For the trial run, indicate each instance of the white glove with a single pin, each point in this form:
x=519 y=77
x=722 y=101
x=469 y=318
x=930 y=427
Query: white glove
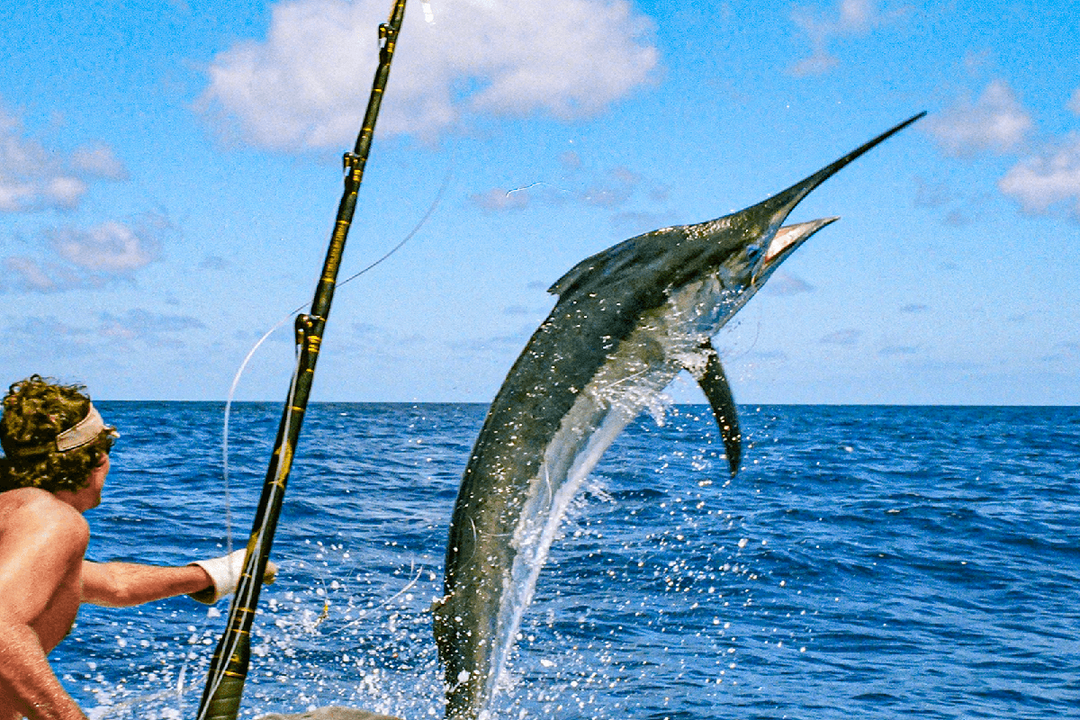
x=225 y=574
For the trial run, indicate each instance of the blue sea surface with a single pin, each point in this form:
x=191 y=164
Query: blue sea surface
x=870 y=562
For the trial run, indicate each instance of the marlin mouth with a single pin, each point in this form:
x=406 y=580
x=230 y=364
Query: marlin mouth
x=789 y=237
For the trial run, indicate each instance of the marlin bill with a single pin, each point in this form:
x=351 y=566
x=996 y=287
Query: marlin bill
x=627 y=321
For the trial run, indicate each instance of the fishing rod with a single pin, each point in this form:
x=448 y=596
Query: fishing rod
x=229 y=666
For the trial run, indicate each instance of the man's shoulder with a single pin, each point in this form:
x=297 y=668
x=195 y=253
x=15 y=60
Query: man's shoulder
x=28 y=497
x=27 y=508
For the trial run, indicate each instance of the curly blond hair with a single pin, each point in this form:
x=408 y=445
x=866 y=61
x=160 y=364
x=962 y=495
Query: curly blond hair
x=35 y=411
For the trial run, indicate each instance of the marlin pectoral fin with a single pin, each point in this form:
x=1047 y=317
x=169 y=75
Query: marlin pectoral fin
x=713 y=381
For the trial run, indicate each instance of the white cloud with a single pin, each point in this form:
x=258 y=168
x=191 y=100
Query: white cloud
x=63 y=191
x=571 y=161
x=307 y=84
x=636 y=222
x=79 y=332
x=34 y=178
x=99 y=161
x=51 y=337
x=1039 y=183
x=930 y=194
x=151 y=327
x=853 y=18
x=612 y=189
x=214 y=262
x=842 y=337
x=45 y=276
x=819 y=63
x=111 y=247
x=31 y=274
x=1047 y=175
x=498 y=200
x=1074 y=102
x=995 y=121
x=892 y=350
x=786 y=284
x=860 y=16
x=88 y=257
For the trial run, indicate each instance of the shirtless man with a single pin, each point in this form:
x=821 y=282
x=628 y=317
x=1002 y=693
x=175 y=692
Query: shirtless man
x=57 y=458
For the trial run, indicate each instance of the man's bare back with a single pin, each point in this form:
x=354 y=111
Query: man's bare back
x=68 y=533
x=42 y=543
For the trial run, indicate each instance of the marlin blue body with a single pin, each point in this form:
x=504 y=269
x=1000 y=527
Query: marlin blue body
x=627 y=321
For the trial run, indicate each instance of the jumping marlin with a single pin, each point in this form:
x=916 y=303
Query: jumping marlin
x=627 y=321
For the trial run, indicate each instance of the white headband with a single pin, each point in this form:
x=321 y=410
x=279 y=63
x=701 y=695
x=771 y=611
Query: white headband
x=83 y=433
x=79 y=435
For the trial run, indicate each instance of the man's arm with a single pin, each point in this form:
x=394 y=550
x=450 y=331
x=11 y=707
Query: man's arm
x=41 y=548
x=118 y=584
x=27 y=682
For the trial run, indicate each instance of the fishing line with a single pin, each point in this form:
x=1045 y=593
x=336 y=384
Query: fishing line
x=290 y=401
x=384 y=603
x=225 y=429
x=247 y=359
x=753 y=343
x=247 y=599
x=423 y=220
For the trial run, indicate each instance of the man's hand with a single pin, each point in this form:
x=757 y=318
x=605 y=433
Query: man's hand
x=225 y=574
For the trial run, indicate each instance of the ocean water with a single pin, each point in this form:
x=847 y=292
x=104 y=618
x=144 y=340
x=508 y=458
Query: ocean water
x=875 y=562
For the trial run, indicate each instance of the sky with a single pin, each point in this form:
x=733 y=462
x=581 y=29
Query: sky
x=170 y=172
